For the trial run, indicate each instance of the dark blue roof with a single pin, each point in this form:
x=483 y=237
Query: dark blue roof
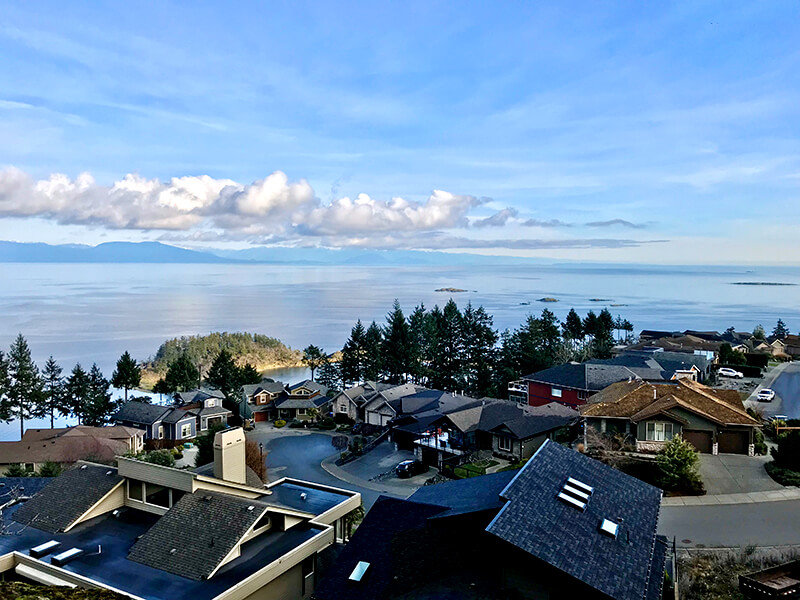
x=536 y=521
x=28 y=486
x=316 y=502
x=466 y=495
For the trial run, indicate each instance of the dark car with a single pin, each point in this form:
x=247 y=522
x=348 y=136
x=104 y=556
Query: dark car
x=409 y=468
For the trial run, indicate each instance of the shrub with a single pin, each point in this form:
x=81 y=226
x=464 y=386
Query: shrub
x=342 y=419
x=344 y=428
x=677 y=462
x=165 y=458
x=781 y=475
x=327 y=423
x=17 y=471
x=759 y=446
x=178 y=455
x=50 y=469
x=787 y=454
x=296 y=424
x=280 y=423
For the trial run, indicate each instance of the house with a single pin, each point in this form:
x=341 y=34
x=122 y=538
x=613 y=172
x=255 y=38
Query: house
x=158 y=533
x=68 y=445
x=208 y=410
x=791 y=345
x=384 y=405
x=509 y=431
x=302 y=400
x=351 y=401
x=197 y=395
x=672 y=365
x=564 y=526
x=704 y=343
x=259 y=399
x=713 y=420
x=158 y=422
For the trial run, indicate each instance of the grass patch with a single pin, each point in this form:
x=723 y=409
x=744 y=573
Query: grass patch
x=474 y=469
x=783 y=475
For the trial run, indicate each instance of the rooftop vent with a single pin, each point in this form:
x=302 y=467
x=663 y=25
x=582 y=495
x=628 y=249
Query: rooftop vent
x=609 y=528
x=83 y=466
x=66 y=556
x=173 y=550
x=359 y=571
x=251 y=507
x=575 y=493
x=303 y=496
x=109 y=472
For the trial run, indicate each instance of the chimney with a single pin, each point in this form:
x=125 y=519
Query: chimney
x=229 y=461
x=655 y=396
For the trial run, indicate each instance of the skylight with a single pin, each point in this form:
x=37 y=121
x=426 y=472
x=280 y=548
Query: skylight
x=575 y=493
x=359 y=571
x=610 y=528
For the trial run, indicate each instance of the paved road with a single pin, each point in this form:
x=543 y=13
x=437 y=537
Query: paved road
x=733 y=525
x=787 y=390
x=299 y=454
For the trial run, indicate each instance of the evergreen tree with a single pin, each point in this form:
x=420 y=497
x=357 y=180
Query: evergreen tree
x=5 y=383
x=536 y=345
x=372 y=359
x=248 y=374
x=603 y=340
x=573 y=327
x=479 y=340
x=313 y=358
x=99 y=406
x=25 y=394
x=418 y=331
x=53 y=388
x=352 y=363
x=590 y=324
x=127 y=374
x=182 y=375
x=397 y=346
x=76 y=393
x=224 y=375
x=780 y=331
x=330 y=375
x=759 y=333
x=447 y=352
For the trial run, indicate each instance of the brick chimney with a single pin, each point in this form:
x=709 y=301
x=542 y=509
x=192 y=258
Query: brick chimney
x=229 y=459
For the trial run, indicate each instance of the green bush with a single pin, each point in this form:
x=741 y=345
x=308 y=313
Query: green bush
x=759 y=446
x=787 y=454
x=296 y=424
x=50 y=469
x=17 y=471
x=782 y=475
x=678 y=461
x=280 y=423
x=165 y=458
x=327 y=423
x=178 y=455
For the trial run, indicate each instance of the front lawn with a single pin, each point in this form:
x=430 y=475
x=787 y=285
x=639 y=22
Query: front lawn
x=474 y=469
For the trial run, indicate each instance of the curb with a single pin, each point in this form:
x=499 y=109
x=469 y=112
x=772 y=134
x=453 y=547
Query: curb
x=741 y=498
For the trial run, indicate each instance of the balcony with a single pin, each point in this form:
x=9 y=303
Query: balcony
x=439 y=441
x=520 y=387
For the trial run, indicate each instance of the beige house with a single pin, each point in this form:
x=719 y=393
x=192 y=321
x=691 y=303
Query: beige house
x=70 y=444
x=148 y=531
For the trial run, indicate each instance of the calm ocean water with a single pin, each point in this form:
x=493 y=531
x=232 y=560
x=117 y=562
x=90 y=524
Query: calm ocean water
x=93 y=312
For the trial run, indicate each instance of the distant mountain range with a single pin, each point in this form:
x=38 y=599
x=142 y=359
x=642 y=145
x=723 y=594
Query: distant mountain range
x=156 y=252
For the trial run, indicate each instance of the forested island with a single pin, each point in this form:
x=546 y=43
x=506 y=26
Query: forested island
x=260 y=351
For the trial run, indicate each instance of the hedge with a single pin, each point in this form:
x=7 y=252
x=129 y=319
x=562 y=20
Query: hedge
x=755 y=359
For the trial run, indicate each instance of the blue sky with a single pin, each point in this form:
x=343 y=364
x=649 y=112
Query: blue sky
x=646 y=132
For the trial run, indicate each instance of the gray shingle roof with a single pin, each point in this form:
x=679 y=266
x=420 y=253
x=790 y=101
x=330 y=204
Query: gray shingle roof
x=140 y=412
x=67 y=497
x=536 y=521
x=177 y=414
x=273 y=387
x=592 y=376
x=198 y=551
x=466 y=495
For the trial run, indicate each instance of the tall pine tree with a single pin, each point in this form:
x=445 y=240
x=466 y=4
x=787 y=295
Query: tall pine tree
x=397 y=346
x=127 y=374
x=352 y=363
x=447 y=357
x=373 y=361
x=479 y=339
x=25 y=394
x=53 y=388
x=99 y=406
x=77 y=393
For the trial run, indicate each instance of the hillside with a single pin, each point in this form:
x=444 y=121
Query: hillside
x=261 y=351
x=109 y=252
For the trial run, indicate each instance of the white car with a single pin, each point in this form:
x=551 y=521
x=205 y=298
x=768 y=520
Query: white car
x=765 y=395
x=726 y=372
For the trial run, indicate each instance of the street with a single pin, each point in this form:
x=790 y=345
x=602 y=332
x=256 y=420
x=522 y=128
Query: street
x=732 y=525
x=787 y=392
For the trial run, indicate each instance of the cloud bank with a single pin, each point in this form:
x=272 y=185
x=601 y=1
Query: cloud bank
x=267 y=211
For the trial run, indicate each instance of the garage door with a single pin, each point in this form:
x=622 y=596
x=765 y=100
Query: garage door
x=260 y=416
x=732 y=442
x=699 y=439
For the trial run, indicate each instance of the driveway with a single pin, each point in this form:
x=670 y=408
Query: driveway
x=378 y=466
x=734 y=473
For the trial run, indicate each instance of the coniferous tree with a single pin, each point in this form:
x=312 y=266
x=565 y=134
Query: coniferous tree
x=225 y=376
x=780 y=331
x=573 y=327
x=397 y=346
x=419 y=338
x=248 y=374
x=603 y=340
x=330 y=376
x=373 y=361
x=759 y=333
x=5 y=407
x=127 y=375
x=99 y=405
x=25 y=394
x=76 y=393
x=182 y=375
x=53 y=388
x=313 y=358
x=447 y=352
x=352 y=363
x=479 y=340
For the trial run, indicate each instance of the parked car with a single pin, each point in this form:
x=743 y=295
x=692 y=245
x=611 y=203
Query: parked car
x=409 y=468
x=727 y=372
x=765 y=395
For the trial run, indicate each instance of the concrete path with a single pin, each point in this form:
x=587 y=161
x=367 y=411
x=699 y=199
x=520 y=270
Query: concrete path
x=736 y=474
x=789 y=493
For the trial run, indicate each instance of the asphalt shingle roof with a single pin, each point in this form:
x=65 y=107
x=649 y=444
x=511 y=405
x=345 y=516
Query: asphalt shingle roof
x=177 y=545
x=140 y=412
x=591 y=376
x=67 y=497
x=466 y=495
x=536 y=521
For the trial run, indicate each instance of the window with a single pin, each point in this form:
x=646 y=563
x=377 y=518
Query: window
x=157 y=495
x=555 y=392
x=135 y=490
x=161 y=432
x=301 y=411
x=343 y=408
x=504 y=443
x=659 y=432
x=186 y=430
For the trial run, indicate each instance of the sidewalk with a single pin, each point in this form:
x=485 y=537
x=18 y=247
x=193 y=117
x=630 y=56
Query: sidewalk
x=789 y=493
